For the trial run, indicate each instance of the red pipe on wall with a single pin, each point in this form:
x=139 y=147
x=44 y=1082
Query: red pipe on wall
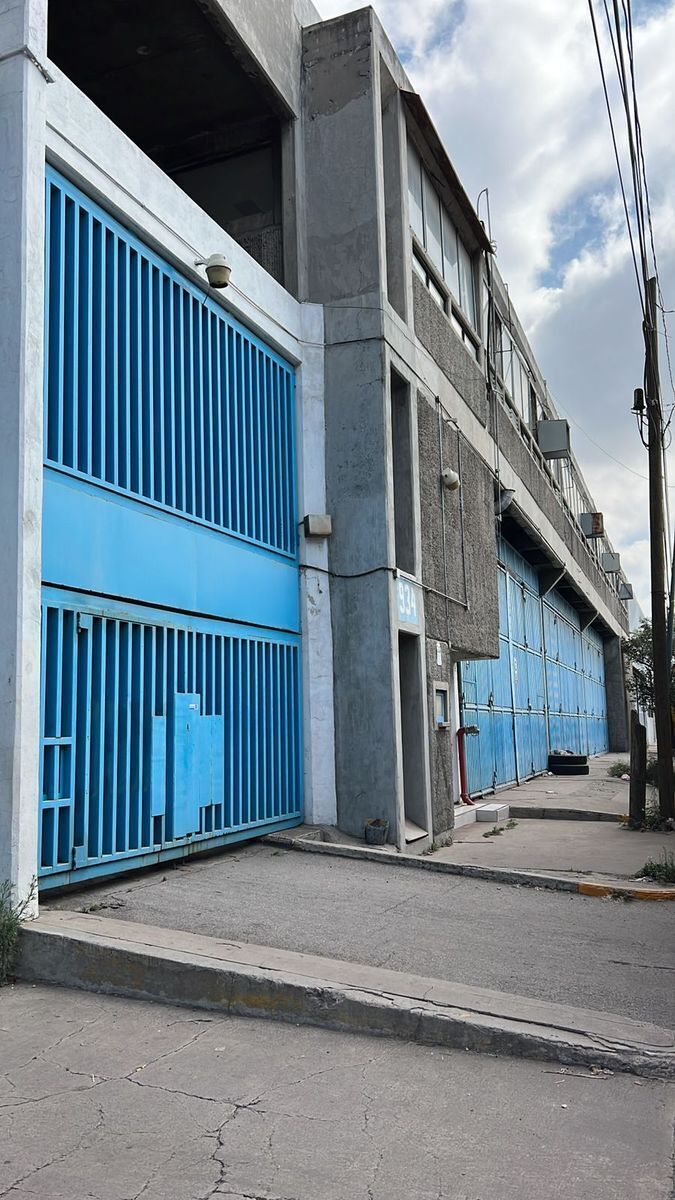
x=461 y=750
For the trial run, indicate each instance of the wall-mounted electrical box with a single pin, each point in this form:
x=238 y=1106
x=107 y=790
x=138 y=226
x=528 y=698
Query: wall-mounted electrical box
x=592 y=524
x=610 y=562
x=553 y=439
x=317 y=525
x=442 y=705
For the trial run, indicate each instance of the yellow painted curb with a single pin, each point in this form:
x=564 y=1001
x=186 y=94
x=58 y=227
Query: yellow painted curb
x=604 y=889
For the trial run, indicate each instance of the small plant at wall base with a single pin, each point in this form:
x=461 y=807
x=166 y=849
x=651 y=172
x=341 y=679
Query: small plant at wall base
x=11 y=916
x=662 y=871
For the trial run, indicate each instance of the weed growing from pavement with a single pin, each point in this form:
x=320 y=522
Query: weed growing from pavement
x=622 y=767
x=662 y=871
x=11 y=916
x=617 y=769
x=494 y=832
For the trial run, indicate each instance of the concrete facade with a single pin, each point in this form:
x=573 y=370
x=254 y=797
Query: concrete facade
x=393 y=387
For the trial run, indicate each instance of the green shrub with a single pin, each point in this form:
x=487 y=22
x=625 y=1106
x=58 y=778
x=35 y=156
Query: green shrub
x=662 y=871
x=622 y=767
x=618 y=769
x=11 y=916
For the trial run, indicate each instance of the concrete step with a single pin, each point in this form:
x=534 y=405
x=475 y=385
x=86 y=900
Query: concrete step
x=493 y=812
x=465 y=814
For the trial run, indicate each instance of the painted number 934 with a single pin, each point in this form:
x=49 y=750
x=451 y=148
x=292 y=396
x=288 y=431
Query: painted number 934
x=407 y=603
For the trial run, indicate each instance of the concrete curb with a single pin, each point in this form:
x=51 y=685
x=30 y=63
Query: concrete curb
x=118 y=957
x=523 y=812
x=518 y=878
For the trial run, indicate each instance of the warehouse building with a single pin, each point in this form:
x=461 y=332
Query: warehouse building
x=270 y=546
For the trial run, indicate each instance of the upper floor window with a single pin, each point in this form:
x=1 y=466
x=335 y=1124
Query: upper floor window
x=436 y=233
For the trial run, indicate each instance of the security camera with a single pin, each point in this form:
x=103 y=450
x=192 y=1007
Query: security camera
x=217 y=270
x=450 y=479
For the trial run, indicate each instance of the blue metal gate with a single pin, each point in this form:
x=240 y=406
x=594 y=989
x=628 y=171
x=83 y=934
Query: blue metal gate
x=170 y=641
x=506 y=697
x=546 y=689
x=575 y=679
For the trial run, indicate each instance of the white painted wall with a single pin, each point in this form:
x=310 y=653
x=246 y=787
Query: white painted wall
x=317 y=634
x=23 y=26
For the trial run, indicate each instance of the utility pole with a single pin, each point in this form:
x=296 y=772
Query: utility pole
x=662 y=664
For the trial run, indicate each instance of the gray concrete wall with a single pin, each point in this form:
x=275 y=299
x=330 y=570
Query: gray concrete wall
x=472 y=621
x=435 y=332
x=365 y=665
x=271 y=30
x=22 y=142
x=344 y=248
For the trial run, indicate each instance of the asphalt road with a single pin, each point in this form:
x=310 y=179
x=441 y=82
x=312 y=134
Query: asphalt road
x=604 y=954
x=110 y=1099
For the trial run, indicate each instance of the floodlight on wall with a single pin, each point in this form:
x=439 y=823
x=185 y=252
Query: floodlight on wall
x=592 y=524
x=553 y=439
x=504 y=500
x=450 y=479
x=218 y=271
x=610 y=562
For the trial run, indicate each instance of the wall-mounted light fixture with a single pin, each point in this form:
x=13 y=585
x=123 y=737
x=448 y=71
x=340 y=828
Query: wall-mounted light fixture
x=450 y=479
x=504 y=500
x=217 y=270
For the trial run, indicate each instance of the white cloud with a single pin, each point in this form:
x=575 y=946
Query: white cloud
x=515 y=91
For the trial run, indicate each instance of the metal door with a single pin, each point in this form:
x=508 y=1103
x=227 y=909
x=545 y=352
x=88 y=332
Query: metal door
x=575 y=676
x=170 y=638
x=505 y=697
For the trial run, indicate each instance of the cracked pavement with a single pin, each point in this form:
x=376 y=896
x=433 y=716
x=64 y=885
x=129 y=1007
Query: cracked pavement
x=604 y=954
x=109 y=1099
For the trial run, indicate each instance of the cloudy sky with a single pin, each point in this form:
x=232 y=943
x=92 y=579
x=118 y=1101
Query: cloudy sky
x=514 y=88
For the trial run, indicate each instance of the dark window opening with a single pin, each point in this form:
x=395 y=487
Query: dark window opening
x=182 y=90
x=401 y=447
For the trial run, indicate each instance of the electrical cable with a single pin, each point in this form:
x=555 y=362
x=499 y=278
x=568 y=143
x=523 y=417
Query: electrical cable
x=661 y=304
x=596 y=37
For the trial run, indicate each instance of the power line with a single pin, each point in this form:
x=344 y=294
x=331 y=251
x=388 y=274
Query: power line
x=638 y=277
x=661 y=304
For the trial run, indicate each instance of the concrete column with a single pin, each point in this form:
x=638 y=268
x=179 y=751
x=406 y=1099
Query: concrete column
x=615 y=687
x=317 y=633
x=23 y=33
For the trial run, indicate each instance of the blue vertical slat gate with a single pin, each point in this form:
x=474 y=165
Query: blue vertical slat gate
x=545 y=691
x=170 y=632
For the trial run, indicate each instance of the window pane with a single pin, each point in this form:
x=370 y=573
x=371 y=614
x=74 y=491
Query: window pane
x=432 y=223
x=450 y=264
x=485 y=309
x=419 y=268
x=467 y=298
x=436 y=293
x=497 y=344
x=415 y=192
x=507 y=361
x=517 y=384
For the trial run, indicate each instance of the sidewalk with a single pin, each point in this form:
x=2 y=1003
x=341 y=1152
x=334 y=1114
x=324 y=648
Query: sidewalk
x=109 y=1099
x=597 y=792
x=545 y=944
x=585 y=848
x=593 y=845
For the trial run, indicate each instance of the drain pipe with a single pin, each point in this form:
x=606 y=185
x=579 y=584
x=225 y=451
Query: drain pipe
x=462 y=732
